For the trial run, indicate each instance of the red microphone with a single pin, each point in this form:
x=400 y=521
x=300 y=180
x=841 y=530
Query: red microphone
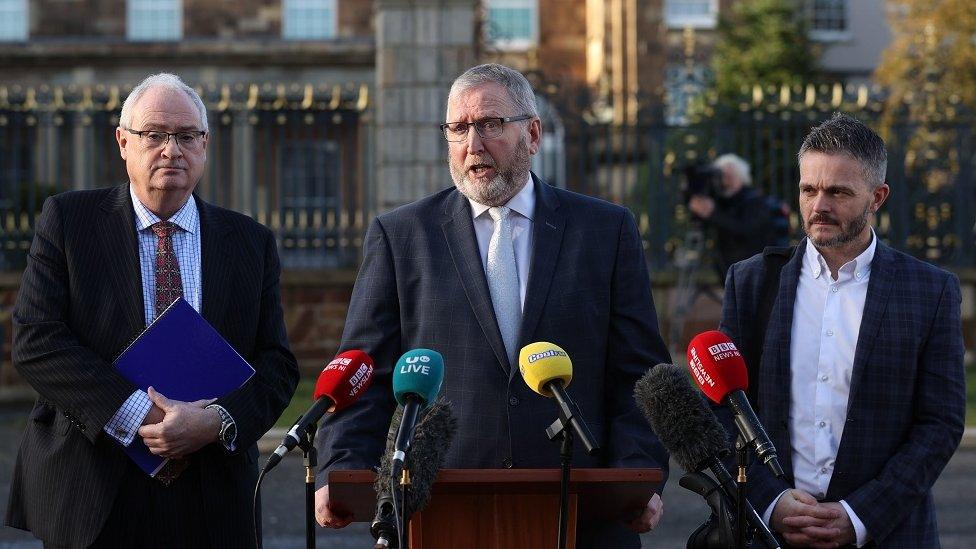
x=720 y=372
x=341 y=383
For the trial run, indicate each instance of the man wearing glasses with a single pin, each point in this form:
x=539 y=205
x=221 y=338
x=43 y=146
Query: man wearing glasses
x=103 y=264
x=479 y=270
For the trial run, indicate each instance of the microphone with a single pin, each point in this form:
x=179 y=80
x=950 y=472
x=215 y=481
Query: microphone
x=690 y=432
x=547 y=370
x=417 y=378
x=432 y=439
x=340 y=384
x=720 y=372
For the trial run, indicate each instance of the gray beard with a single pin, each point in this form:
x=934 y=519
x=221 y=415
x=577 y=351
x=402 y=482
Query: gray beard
x=847 y=236
x=501 y=188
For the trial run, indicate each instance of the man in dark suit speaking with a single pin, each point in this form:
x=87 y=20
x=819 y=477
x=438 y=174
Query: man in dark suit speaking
x=102 y=265
x=861 y=383
x=478 y=271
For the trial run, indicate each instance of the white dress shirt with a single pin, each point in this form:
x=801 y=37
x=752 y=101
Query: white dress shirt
x=826 y=323
x=523 y=210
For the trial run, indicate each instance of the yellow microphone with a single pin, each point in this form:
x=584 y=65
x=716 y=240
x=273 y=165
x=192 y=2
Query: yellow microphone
x=542 y=363
x=547 y=370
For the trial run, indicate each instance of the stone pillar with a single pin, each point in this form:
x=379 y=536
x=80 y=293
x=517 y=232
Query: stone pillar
x=421 y=46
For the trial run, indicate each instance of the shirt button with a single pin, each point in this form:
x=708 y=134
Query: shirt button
x=823 y=424
x=835 y=289
x=507 y=463
x=824 y=378
x=823 y=470
x=513 y=400
x=830 y=333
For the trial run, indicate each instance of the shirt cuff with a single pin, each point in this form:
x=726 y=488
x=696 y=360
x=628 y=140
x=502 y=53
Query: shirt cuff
x=125 y=424
x=860 y=531
x=768 y=515
x=225 y=416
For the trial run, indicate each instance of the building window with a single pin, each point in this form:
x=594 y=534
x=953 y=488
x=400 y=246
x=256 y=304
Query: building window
x=308 y=19
x=828 y=19
x=513 y=24
x=13 y=20
x=154 y=20
x=700 y=14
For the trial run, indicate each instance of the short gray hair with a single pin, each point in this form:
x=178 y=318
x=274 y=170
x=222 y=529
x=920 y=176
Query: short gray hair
x=844 y=134
x=736 y=163
x=162 y=80
x=512 y=80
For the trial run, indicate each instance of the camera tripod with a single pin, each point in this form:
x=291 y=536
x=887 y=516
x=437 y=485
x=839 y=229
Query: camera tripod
x=689 y=259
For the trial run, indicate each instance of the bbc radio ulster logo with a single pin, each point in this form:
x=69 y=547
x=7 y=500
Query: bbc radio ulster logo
x=723 y=351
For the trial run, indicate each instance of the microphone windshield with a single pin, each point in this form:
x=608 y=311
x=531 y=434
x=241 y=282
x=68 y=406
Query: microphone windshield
x=542 y=362
x=432 y=439
x=418 y=372
x=716 y=365
x=680 y=418
x=344 y=379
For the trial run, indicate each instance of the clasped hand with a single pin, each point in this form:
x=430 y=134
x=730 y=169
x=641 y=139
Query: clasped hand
x=175 y=429
x=805 y=522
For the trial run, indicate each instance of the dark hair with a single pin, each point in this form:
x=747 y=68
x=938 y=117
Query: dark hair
x=844 y=134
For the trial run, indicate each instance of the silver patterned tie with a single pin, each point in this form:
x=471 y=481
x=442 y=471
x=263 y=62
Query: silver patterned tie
x=503 y=280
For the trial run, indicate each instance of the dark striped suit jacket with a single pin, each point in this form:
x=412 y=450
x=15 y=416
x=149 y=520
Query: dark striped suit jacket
x=907 y=397
x=422 y=284
x=80 y=303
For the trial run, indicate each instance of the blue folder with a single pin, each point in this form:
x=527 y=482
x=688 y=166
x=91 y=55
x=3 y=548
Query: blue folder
x=183 y=357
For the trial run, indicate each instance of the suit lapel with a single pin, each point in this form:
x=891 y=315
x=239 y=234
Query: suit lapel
x=775 y=374
x=875 y=303
x=548 y=225
x=216 y=263
x=119 y=243
x=458 y=229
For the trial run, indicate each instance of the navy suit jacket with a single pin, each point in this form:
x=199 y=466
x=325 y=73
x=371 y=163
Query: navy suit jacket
x=422 y=284
x=907 y=396
x=79 y=305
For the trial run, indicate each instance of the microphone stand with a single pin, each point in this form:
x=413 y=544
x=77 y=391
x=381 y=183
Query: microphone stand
x=560 y=430
x=742 y=461
x=310 y=459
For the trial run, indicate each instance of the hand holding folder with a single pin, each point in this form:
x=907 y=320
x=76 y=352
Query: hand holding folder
x=183 y=357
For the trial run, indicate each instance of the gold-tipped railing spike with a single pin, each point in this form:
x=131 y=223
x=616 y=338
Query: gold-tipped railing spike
x=4 y=101
x=280 y=101
x=336 y=99
x=57 y=103
x=757 y=95
x=810 y=97
x=30 y=100
x=363 y=100
x=862 y=96
x=252 y=96
x=308 y=97
x=113 y=99
x=224 y=103
x=784 y=95
x=837 y=96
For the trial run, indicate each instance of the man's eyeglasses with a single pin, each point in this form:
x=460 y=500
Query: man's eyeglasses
x=188 y=140
x=487 y=128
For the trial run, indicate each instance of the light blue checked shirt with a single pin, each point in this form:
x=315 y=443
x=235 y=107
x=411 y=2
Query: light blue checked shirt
x=125 y=424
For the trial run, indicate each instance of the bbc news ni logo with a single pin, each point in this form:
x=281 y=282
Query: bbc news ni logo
x=724 y=350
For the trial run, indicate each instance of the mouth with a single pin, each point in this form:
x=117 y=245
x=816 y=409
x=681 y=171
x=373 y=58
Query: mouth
x=481 y=171
x=170 y=170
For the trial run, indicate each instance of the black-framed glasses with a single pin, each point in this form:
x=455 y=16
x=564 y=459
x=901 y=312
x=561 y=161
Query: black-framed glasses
x=487 y=128
x=188 y=140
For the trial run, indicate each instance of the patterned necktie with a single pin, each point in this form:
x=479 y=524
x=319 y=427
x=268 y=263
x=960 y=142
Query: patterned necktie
x=503 y=280
x=169 y=286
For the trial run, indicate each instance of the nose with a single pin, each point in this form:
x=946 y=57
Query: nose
x=474 y=142
x=821 y=202
x=171 y=149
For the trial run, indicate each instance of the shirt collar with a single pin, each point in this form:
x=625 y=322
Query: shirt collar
x=185 y=218
x=859 y=267
x=522 y=203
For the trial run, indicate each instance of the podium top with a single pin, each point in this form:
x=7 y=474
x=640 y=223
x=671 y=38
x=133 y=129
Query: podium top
x=605 y=494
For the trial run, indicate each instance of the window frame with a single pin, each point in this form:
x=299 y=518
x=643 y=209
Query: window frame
x=133 y=8
x=513 y=44
x=328 y=6
x=709 y=21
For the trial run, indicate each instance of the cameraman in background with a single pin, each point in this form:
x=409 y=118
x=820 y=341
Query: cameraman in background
x=745 y=221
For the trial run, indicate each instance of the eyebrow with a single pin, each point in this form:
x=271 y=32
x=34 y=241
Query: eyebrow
x=162 y=127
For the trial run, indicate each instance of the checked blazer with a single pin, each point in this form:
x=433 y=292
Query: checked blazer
x=907 y=396
x=422 y=284
x=80 y=304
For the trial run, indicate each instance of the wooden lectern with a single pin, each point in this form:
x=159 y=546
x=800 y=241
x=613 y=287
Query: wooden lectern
x=505 y=508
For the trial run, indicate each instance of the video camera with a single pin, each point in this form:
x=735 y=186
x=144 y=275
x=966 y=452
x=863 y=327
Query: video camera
x=701 y=179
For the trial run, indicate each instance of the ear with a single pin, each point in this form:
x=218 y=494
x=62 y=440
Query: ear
x=879 y=195
x=123 y=138
x=535 y=135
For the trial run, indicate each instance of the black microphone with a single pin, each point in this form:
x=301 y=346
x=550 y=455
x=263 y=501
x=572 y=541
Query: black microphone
x=431 y=441
x=691 y=432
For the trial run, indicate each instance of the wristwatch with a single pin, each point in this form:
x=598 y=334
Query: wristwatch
x=228 y=429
